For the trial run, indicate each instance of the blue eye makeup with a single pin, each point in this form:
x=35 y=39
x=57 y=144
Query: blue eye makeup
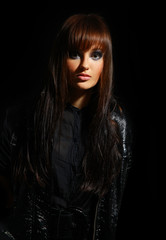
x=96 y=55
x=74 y=55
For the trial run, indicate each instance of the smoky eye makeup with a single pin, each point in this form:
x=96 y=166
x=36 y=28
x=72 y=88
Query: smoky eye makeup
x=73 y=54
x=96 y=54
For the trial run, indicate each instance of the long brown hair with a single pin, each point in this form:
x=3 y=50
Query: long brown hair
x=102 y=158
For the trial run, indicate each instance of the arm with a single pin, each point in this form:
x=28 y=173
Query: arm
x=109 y=206
x=6 y=192
x=118 y=185
x=126 y=136
x=5 y=163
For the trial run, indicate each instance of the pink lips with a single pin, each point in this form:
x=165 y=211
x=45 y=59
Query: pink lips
x=83 y=76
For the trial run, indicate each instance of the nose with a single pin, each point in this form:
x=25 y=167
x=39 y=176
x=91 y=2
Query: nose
x=85 y=62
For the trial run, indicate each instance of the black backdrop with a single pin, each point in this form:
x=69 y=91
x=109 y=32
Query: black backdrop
x=27 y=31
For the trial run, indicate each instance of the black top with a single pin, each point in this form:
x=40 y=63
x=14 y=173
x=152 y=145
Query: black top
x=106 y=216
x=67 y=155
x=68 y=152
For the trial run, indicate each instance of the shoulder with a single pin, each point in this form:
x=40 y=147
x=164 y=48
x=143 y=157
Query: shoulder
x=14 y=116
x=121 y=117
x=15 y=119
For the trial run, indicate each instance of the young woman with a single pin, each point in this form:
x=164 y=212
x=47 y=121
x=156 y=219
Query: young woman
x=67 y=160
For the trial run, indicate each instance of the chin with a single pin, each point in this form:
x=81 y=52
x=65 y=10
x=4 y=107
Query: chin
x=83 y=86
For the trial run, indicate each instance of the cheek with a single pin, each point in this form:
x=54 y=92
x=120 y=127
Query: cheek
x=99 y=69
x=72 y=66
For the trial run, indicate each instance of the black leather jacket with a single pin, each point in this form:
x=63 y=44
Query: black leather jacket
x=32 y=209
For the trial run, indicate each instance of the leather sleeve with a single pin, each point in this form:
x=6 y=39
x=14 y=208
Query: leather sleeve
x=12 y=124
x=125 y=128
x=5 y=147
x=109 y=206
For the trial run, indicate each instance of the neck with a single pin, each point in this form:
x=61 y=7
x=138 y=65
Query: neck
x=79 y=99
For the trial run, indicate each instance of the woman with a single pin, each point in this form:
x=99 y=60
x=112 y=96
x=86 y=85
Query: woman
x=69 y=157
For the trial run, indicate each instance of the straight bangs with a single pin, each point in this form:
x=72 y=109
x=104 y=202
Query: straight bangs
x=85 y=32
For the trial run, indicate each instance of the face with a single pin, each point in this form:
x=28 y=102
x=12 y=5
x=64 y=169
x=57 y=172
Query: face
x=85 y=68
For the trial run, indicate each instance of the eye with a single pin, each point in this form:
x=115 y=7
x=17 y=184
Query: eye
x=74 y=55
x=96 y=55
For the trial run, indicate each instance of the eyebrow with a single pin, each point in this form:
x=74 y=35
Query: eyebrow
x=91 y=49
x=97 y=49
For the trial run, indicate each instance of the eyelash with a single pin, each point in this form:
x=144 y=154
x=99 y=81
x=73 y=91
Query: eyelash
x=98 y=54
x=95 y=55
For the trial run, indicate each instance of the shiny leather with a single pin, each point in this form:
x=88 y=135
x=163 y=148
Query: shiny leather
x=32 y=211
x=108 y=208
x=69 y=224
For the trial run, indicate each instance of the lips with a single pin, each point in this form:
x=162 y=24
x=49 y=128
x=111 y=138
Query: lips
x=83 y=76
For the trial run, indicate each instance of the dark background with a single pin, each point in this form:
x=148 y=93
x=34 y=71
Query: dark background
x=27 y=31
